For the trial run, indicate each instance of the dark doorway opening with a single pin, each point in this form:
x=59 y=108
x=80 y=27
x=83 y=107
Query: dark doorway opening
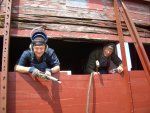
x=72 y=55
x=135 y=60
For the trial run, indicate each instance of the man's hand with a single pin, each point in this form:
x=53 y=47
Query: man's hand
x=112 y=71
x=34 y=71
x=120 y=69
x=96 y=73
x=48 y=72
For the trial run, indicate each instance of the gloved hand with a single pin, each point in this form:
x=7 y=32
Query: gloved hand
x=34 y=71
x=42 y=75
x=115 y=70
x=48 y=72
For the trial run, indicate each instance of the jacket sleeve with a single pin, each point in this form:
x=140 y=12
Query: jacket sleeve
x=116 y=60
x=25 y=58
x=90 y=67
x=52 y=58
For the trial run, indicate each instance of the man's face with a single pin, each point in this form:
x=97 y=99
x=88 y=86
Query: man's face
x=108 y=51
x=39 y=50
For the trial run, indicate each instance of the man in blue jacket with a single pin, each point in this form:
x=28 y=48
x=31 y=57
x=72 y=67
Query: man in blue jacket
x=39 y=58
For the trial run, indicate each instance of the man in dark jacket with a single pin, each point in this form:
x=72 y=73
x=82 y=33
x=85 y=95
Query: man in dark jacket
x=99 y=60
x=39 y=58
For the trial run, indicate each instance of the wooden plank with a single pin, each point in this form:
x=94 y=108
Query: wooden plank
x=56 y=8
x=57 y=17
x=74 y=36
x=141 y=92
x=109 y=94
x=67 y=100
x=95 y=4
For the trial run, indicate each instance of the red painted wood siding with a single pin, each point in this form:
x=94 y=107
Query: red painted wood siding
x=62 y=19
x=108 y=94
x=95 y=4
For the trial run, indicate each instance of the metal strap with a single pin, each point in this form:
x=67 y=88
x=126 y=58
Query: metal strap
x=4 y=74
x=136 y=39
x=121 y=40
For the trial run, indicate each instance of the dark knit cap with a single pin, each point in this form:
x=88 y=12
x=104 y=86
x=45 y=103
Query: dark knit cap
x=111 y=45
x=38 y=41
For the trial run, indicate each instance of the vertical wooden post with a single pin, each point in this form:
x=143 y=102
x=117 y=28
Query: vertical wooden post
x=4 y=74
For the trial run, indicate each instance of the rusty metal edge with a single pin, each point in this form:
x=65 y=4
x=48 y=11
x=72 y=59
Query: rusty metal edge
x=121 y=40
x=5 y=57
x=136 y=39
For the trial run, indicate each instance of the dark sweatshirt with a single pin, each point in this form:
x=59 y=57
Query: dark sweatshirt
x=97 y=54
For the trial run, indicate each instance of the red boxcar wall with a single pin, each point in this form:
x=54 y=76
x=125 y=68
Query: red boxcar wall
x=109 y=94
x=141 y=92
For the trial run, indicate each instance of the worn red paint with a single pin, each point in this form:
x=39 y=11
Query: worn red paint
x=108 y=94
x=95 y=4
x=62 y=35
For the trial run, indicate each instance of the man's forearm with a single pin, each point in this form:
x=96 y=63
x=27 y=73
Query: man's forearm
x=55 y=69
x=22 y=69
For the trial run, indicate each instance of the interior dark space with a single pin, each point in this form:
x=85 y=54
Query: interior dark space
x=72 y=55
x=135 y=60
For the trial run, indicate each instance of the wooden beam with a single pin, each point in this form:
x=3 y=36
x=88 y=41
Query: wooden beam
x=73 y=35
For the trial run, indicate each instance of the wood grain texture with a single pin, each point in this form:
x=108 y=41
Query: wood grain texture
x=108 y=94
x=57 y=16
